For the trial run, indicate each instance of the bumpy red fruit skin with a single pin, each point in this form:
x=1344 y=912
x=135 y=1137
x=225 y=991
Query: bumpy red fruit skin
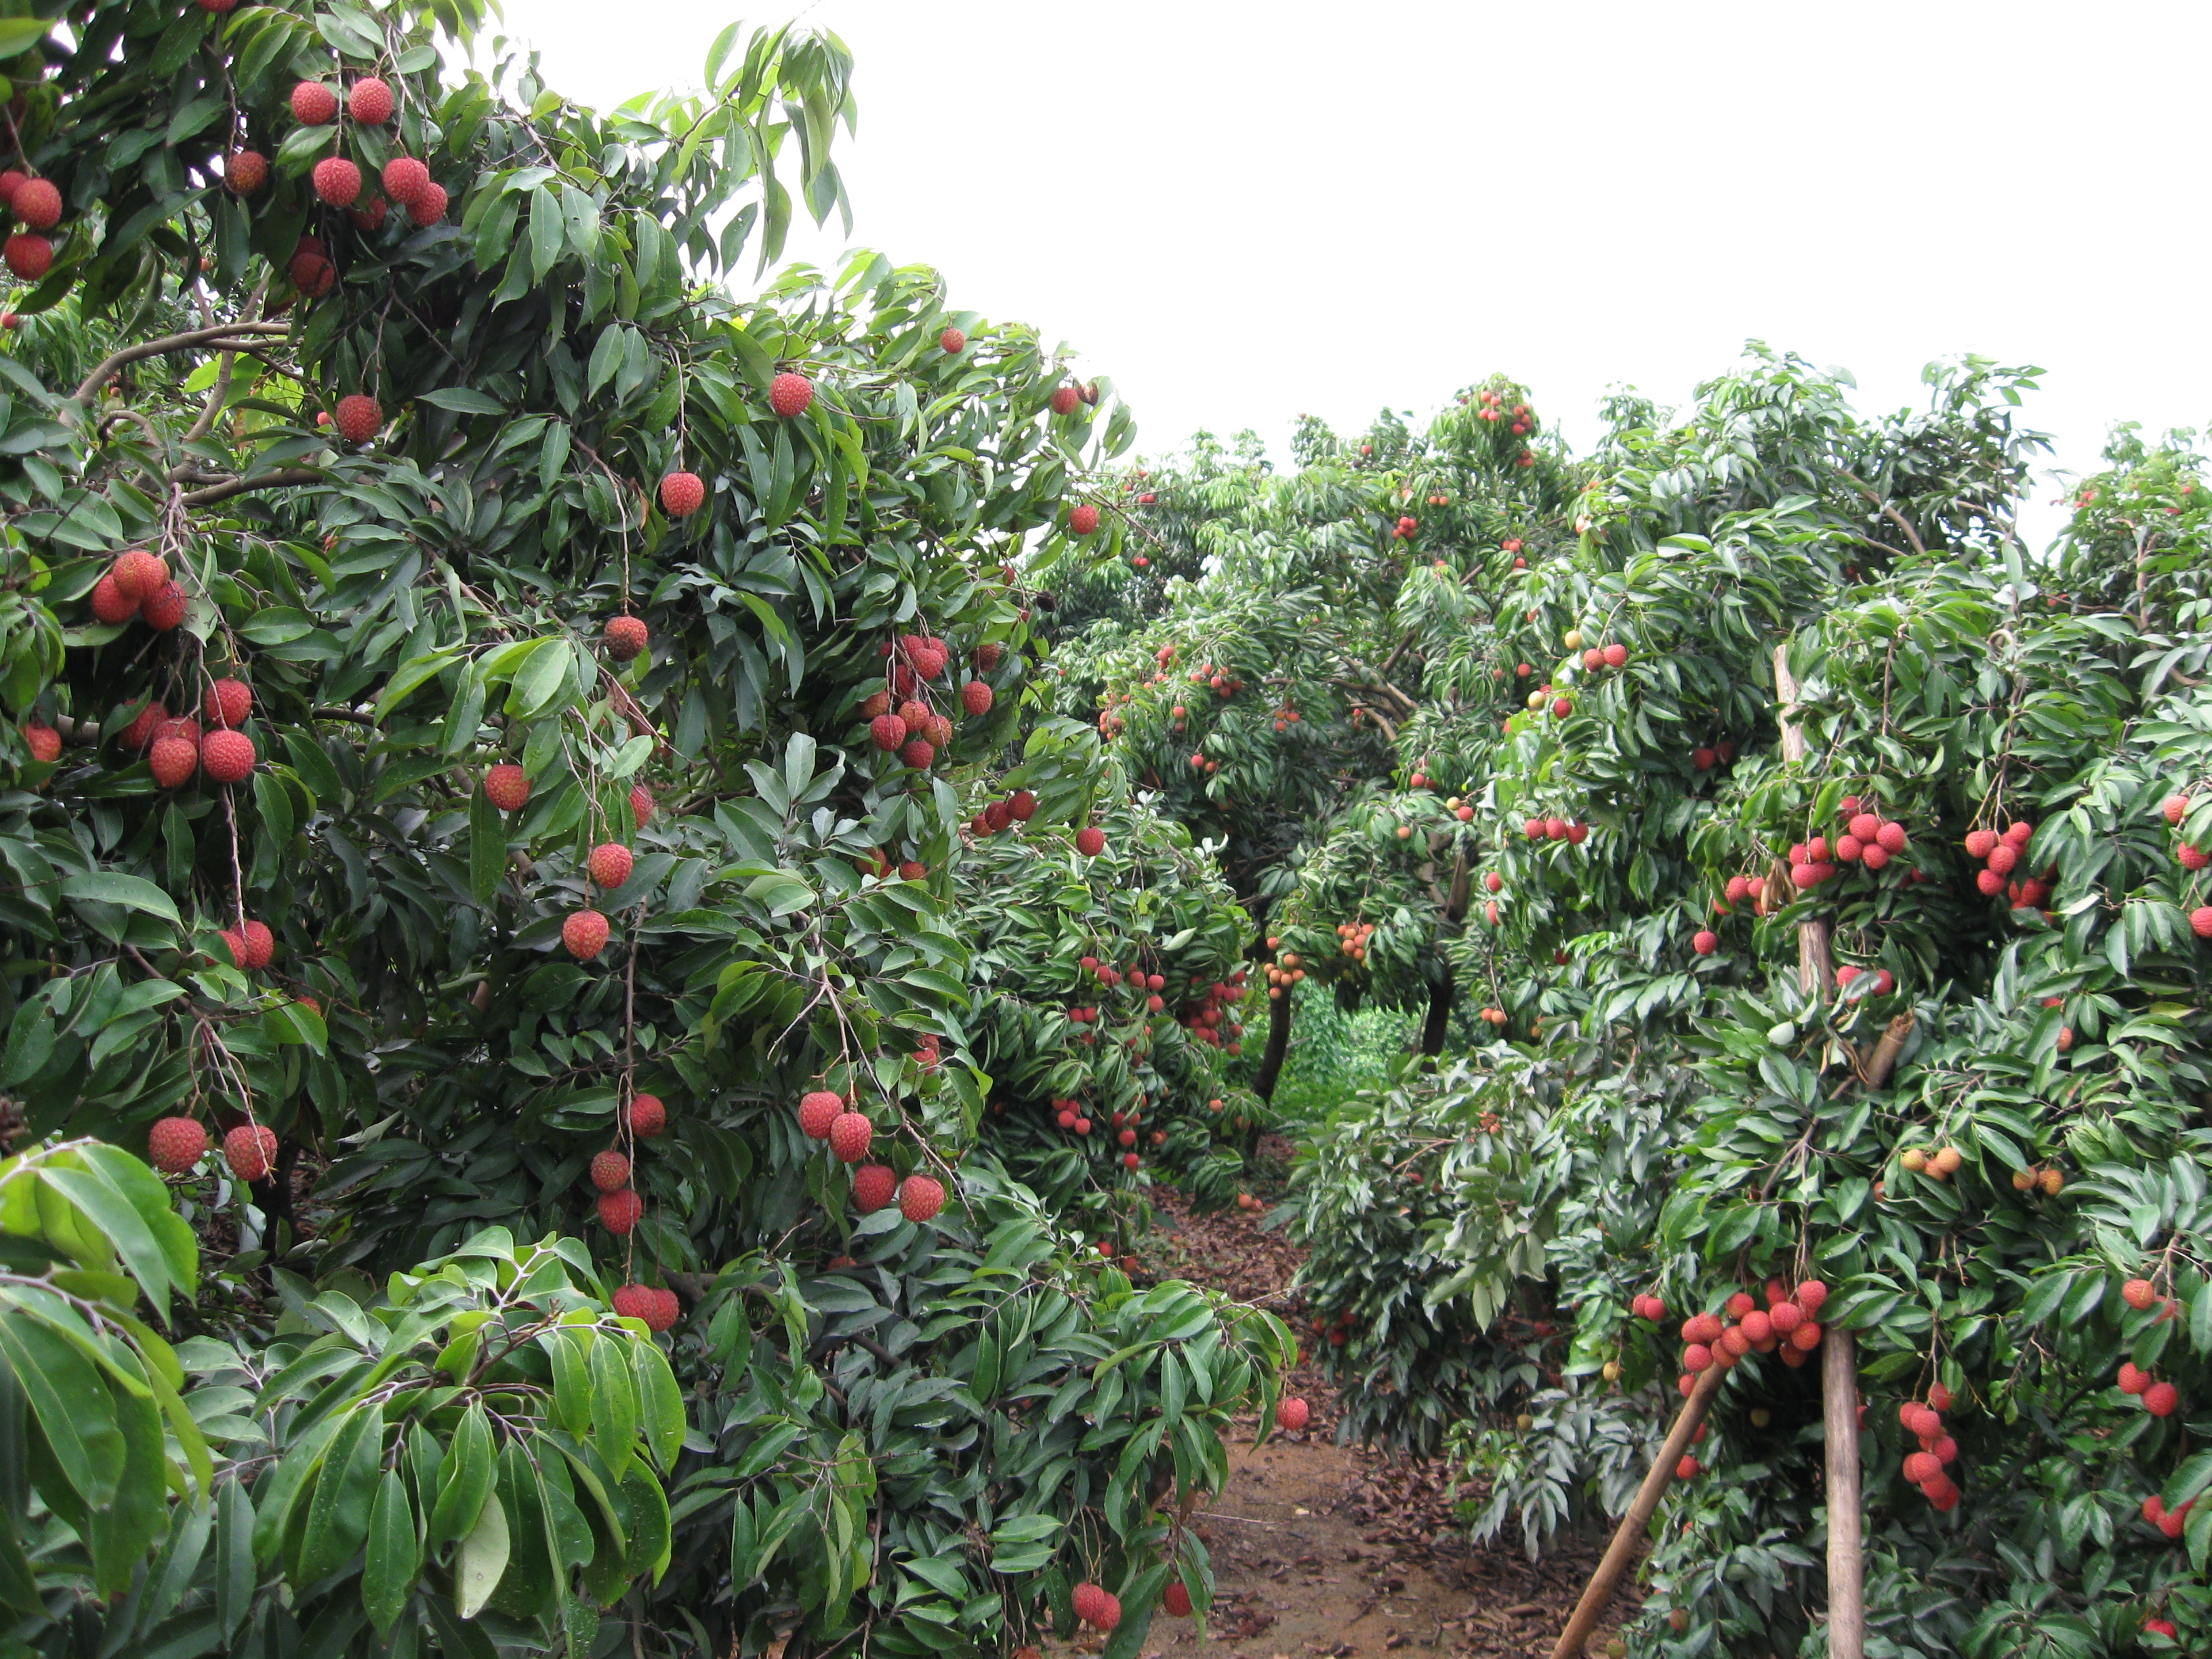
x=370 y=103
x=682 y=493
x=173 y=761
x=228 y=702
x=1082 y=519
x=337 y=181
x=952 y=341
x=310 y=270
x=1980 y=843
x=245 y=172
x=404 y=179
x=817 y=1110
x=228 y=756
x=920 y=1197
x=610 y=1172
x=110 y=604
x=2161 y=1399
x=634 y=1301
x=646 y=1118
x=38 y=203
x=251 y=1151
x=888 y=731
x=585 y=933
x=919 y=753
x=1704 y=943
x=666 y=1309
x=428 y=205
x=641 y=805
x=314 y=104
x=43 y=741
x=1293 y=1414
x=30 y=256
x=849 y=1136
x=1064 y=400
x=2138 y=1293
x=789 y=394
x=259 y=945
x=1176 y=1601
x=873 y=1186
x=610 y=863
x=506 y=786
x=977 y=698
x=175 y=1143
x=1093 y=1606
x=1091 y=841
x=626 y=637
x=163 y=609
x=619 y=1212
x=358 y=417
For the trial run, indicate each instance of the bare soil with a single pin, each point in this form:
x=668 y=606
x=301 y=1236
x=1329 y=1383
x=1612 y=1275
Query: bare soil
x=1327 y=1550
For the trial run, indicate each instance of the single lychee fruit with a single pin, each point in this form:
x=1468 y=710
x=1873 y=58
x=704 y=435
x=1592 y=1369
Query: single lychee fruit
x=257 y=946
x=428 y=205
x=641 y=805
x=682 y=493
x=370 y=101
x=634 y=1301
x=920 y=1197
x=174 y=1145
x=245 y=172
x=2161 y=1399
x=849 y=1135
x=919 y=753
x=229 y=756
x=43 y=742
x=610 y=1172
x=889 y=731
x=873 y=1187
x=1176 y=1601
x=953 y=342
x=1980 y=843
x=1093 y=1606
x=789 y=394
x=619 y=1212
x=610 y=863
x=1293 y=1414
x=1811 y=1296
x=251 y=1151
x=37 y=203
x=109 y=602
x=626 y=637
x=1704 y=943
x=163 y=609
x=1023 y=804
x=404 y=179
x=173 y=761
x=2200 y=922
x=359 y=417
x=817 y=1110
x=314 y=104
x=2138 y=1293
x=646 y=1117
x=585 y=933
x=1064 y=399
x=228 y=702
x=1082 y=519
x=506 y=786
x=977 y=698
x=1091 y=841
x=337 y=181
x=28 y=256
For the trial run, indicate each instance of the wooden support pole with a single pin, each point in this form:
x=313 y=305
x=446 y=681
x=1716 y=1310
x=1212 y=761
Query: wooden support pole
x=1598 y=1596
x=1839 y=1382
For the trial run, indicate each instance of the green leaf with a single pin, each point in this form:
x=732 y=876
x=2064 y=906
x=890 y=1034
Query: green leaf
x=131 y=892
x=394 y=1557
x=67 y=1398
x=614 y=1401
x=660 y=1403
x=464 y=1481
x=481 y=1560
x=338 y=1514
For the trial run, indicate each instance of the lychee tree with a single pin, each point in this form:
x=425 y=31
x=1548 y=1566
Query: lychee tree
x=491 y=713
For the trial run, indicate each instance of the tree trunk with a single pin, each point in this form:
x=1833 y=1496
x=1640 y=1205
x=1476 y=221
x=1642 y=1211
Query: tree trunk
x=1438 y=1024
x=1278 y=1044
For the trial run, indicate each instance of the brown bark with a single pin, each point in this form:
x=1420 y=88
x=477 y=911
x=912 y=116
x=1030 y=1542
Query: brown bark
x=1278 y=1044
x=1438 y=1024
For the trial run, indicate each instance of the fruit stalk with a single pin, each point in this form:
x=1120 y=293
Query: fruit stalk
x=1628 y=1537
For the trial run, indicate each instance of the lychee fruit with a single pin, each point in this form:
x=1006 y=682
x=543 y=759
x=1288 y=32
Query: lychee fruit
x=1091 y=841
x=174 y=1145
x=1293 y=1414
x=404 y=179
x=817 y=1110
x=173 y=761
x=28 y=256
x=109 y=602
x=889 y=731
x=683 y=494
x=619 y=1212
x=1082 y=519
x=953 y=342
x=245 y=172
x=506 y=786
x=1980 y=843
x=1706 y=943
x=585 y=933
x=849 y=1135
x=229 y=756
x=873 y=1187
x=646 y=1117
x=977 y=698
x=228 y=702
x=258 y=946
x=634 y=1301
x=641 y=805
x=370 y=101
x=919 y=753
x=337 y=181
x=2161 y=1399
x=1064 y=399
x=920 y=1197
x=625 y=637
x=1093 y=1606
x=251 y=1151
x=310 y=270
x=2138 y=1293
x=37 y=203
x=1176 y=1598
x=314 y=104
x=1023 y=804
x=428 y=205
x=789 y=394
x=163 y=609
x=359 y=417
x=610 y=1172
x=610 y=863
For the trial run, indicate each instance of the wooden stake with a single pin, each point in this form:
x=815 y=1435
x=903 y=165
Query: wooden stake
x=1598 y=1596
x=1839 y=1382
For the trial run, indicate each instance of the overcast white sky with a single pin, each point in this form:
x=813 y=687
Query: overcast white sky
x=1242 y=212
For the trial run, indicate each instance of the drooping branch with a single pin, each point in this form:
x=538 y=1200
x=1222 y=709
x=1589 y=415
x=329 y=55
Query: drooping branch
x=283 y=479
x=225 y=335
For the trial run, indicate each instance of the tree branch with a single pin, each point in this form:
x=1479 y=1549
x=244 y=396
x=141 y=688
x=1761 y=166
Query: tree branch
x=199 y=336
x=229 y=487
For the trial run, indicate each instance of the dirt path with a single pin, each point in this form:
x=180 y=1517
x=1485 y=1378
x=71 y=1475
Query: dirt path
x=1326 y=1550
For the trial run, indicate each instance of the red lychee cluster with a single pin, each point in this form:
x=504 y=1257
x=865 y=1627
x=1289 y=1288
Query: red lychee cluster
x=1573 y=832
x=2000 y=855
x=1926 y=1468
x=138 y=585
x=1404 y=528
x=655 y=1304
x=2169 y=1522
x=252 y=945
x=36 y=205
x=1000 y=816
x=612 y=1173
x=1094 y=1606
x=1206 y=1014
x=1784 y=1327
x=1519 y=420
